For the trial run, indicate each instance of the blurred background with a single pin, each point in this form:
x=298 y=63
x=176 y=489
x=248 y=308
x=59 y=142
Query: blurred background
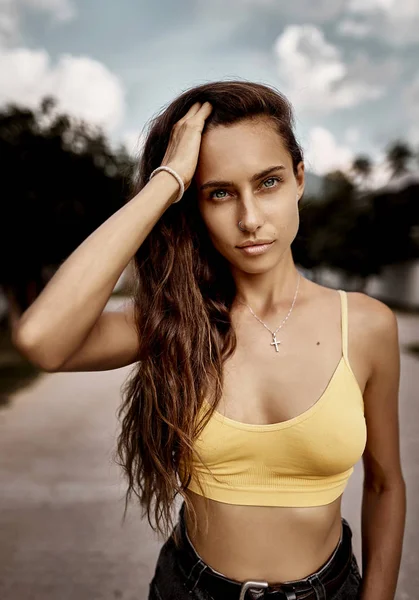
x=78 y=82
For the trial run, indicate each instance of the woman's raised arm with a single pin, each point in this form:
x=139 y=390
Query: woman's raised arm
x=61 y=318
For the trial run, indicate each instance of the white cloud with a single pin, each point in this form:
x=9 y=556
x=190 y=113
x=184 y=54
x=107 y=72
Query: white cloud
x=380 y=172
x=317 y=78
x=368 y=6
x=13 y=11
x=351 y=28
x=380 y=74
x=319 y=11
x=59 y=10
x=133 y=142
x=410 y=98
x=352 y=135
x=83 y=87
x=396 y=21
x=324 y=154
x=379 y=175
x=9 y=21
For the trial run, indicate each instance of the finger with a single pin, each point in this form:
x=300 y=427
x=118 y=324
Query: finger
x=191 y=112
x=204 y=110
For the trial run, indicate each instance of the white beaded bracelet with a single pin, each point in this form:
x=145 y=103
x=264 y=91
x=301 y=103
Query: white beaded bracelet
x=177 y=177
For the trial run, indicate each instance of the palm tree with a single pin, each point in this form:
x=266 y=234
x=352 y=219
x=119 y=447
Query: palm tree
x=398 y=155
x=337 y=183
x=60 y=181
x=362 y=167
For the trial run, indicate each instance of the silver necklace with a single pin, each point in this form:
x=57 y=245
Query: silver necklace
x=275 y=342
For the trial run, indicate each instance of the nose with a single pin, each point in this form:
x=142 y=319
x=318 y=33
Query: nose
x=251 y=216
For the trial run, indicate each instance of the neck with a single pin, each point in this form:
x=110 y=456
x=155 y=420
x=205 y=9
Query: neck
x=267 y=294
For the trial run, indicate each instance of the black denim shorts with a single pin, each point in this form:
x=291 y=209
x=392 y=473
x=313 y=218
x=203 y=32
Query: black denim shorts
x=181 y=574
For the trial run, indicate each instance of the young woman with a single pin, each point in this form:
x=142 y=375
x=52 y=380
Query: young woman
x=255 y=390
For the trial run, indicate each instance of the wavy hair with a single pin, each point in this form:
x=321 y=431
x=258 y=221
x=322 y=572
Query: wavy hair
x=183 y=292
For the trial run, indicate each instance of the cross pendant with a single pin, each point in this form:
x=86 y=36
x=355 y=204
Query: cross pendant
x=275 y=342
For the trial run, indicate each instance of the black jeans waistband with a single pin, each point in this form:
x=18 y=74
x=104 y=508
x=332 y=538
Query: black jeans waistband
x=318 y=586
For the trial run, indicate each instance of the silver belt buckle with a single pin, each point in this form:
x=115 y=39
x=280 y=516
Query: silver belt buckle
x=247 y=585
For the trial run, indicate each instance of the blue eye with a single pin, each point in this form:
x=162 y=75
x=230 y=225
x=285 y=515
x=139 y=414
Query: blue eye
x=271 y=179
x=216 y=192
x=278 y=179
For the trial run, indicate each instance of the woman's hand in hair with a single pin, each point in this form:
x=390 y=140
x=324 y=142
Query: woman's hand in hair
x=185 y=142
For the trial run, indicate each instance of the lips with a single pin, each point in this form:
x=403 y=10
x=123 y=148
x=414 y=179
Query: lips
x=257 y=243
x=255 y=249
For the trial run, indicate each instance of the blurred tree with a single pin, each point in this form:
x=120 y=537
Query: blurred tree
x=61 y=180
x=338 y=233
x=337 y=183
x=362 y=169
x=359 y=238
x=399 y=154
x=396 y=216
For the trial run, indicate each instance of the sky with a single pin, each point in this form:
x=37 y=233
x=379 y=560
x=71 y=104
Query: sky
x=349 y=67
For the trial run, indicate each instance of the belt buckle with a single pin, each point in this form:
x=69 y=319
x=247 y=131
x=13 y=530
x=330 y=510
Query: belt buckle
x=247 y=585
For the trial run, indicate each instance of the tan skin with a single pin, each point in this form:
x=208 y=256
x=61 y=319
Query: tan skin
x=279 y=543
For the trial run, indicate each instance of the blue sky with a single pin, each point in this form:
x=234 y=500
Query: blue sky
x=349 y=67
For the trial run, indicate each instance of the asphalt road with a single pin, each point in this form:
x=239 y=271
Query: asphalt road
x=62 y=496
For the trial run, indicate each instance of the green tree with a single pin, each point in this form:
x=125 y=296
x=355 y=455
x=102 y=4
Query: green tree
x=61 y=180
x=362 y=169
x=337 y=233
x=399 y=154
x=396 y=217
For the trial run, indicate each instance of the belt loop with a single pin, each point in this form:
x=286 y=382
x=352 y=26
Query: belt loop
x=289 y=592
x=318 y=587
x=195 y=579
x=248 y=585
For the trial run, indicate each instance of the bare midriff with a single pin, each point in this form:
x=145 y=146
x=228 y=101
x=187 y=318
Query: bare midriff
x=273 y=544
x=270 y=543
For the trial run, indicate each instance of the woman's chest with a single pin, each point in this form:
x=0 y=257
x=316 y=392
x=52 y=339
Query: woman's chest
x=260 y=389
x=265 y=386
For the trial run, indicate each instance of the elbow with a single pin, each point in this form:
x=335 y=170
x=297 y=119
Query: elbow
x=33 y=351
x=395 y=483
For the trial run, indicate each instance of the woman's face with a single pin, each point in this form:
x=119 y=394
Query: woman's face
x=266 y=204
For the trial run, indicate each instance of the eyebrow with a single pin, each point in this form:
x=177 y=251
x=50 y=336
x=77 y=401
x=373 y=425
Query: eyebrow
x=254 y=178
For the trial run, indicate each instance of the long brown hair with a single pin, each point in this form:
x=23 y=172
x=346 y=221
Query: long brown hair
x=183 y=293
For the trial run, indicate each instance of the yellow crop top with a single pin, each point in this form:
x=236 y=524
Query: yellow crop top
x=304 y=461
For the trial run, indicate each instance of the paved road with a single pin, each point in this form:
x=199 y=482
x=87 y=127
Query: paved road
x=61 y=495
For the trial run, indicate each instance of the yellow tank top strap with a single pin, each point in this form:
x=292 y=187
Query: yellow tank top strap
x=303 y=461
x=344 y=320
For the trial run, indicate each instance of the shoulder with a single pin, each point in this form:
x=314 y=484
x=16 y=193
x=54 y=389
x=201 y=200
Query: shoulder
x=370 y=320
x=376 y=324
x=365 y=313
x=378 y=319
